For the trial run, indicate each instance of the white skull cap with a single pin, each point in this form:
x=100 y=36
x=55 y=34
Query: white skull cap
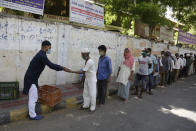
x=85 y=50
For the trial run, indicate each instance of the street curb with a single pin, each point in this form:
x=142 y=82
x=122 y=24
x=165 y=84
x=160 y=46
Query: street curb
x=69 y=103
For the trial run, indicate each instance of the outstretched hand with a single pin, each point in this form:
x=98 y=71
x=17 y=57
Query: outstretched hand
x=67 y=70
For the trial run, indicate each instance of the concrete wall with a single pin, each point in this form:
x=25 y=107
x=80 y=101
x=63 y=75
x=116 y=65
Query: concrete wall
x=20 y=40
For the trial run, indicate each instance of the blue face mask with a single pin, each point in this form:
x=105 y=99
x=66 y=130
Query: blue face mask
x=48 y=51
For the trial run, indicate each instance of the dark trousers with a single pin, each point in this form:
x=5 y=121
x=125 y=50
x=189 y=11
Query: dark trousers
x=102 y=91
x=182 y=73
x=162 y=75
x=169 y=77
x=141 y=80
x=186 y=69
x=176 y=74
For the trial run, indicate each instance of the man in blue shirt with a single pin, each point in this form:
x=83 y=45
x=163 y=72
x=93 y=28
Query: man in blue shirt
x=103 y=74
x=33 y=72
x=152 y=70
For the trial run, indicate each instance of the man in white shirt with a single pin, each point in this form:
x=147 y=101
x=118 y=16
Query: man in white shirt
x=89 y=93
x=177 y=67
x=183 y=64
x=142 y=74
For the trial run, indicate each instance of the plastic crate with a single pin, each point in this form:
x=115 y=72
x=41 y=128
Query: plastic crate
x=50 y=95
x=9 y=90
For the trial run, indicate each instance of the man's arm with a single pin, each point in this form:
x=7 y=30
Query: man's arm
x=182 y=64
x=110 y=70
x=53 y=66
x=118 y=71
x=154 y=68
x=155 y=65
x=132 y=71
x=86 y=68
x=78 y=72
x=149 y=63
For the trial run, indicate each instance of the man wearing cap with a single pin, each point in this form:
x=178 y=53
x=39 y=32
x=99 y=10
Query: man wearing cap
x=89 y=93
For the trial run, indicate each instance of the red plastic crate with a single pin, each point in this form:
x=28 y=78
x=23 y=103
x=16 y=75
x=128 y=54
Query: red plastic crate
x=50 y=95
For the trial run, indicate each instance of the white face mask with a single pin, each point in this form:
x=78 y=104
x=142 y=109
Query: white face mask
x=48 y=51
x=101 y=53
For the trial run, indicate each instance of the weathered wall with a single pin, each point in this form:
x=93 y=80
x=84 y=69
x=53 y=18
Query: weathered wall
x=20 y=40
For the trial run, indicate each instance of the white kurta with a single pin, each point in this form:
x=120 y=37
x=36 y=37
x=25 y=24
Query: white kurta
x=89 y=93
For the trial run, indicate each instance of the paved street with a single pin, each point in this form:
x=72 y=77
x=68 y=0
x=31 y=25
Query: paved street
x=169 y=109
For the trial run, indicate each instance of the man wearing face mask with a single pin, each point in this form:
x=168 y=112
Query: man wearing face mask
x=151 y=70
x=162 y=63
x=33 y=72
x=103 y=74
x=142 y=74
x=177 y=66
x=89 y=93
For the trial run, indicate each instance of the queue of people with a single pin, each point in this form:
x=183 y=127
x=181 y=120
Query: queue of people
x=152 y=71
x=175 y=66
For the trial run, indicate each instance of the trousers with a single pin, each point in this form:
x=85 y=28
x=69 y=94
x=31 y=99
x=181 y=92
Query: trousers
x=102 y=90
x=89 y=95
x=33 y=97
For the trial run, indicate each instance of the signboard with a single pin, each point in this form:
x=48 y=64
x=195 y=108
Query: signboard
x=86 y=13
x=32 y=6
x=187 y=38
x=166 y=34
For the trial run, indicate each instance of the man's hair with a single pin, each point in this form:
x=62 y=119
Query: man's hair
x=177 y=55
x=168 y=53
x=162 y=52
x=149 y=49
x=102 y=47
x=46 y=43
